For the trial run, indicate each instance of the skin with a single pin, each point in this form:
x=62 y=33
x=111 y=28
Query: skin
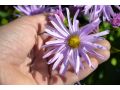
x=21 y=55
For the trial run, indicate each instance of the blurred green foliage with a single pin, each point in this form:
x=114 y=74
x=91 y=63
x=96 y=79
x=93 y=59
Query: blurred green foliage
x=7 y=14
x=108 y=72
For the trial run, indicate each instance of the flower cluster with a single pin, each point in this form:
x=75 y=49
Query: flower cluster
x=73 y=43
x=104 y=11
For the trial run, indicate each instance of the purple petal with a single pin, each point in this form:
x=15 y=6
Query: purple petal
x=77 y=62
x=64 y=65
x=106 y=14
x=98 y=9
x=55 y=42
x=101 y=33
x=74 y=20
x=87 y=8
x=51 y=45
x=57 y=62
x=110 y=10
x=28 y=8
x=63 y=33
x=86 y=57
x=63 y=68
x=94 y=45
x=72 y=59
x=60 y=13
x=85 y=30
x=50 y=52
x=20 y=8
x=96 y=12
x=91 y=38
x=76 y=25
x=117 y=6
x=94 y=53
x=54 y=34
x=69 y=20
x=34 y=7
x=61 y=24
x=55 y=57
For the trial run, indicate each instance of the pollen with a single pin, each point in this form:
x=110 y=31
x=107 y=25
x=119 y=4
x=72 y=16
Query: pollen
x=74 y=41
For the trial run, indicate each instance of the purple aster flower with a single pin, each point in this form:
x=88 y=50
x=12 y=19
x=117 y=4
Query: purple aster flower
x=73 y=44
x=31 y=9
x=37 y=9
x=95 y=11
x=58 y=10
x=115 y=21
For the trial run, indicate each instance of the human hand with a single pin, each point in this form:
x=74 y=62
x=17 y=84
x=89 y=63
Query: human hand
x=19 y=66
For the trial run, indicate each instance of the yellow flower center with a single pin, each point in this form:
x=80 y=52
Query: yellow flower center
x=74 y=41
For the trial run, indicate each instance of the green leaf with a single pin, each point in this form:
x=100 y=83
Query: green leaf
x=111 y=38
x=3 y=14
x=4 y=21
x=114 y=50
x=106 y=24
x=114 y=61
x=66 y=22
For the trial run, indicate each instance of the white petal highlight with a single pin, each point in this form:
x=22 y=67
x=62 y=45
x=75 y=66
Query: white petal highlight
x=54 y=34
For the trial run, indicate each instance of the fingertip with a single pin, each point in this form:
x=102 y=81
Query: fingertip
x=104 y=43
x=82 y=73
x=88 y=70
x=105 y=54
x=94 y=63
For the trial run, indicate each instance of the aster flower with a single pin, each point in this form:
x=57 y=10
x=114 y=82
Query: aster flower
x=38 y=9
x=58 y=10
x=95 y=11
x=115 y=21
x=31 y=9
x=72 y=44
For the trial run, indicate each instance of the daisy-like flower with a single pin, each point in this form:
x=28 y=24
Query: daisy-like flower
x=72 y=44
x=32 y=9
x=95 y=11
x=38 y=9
